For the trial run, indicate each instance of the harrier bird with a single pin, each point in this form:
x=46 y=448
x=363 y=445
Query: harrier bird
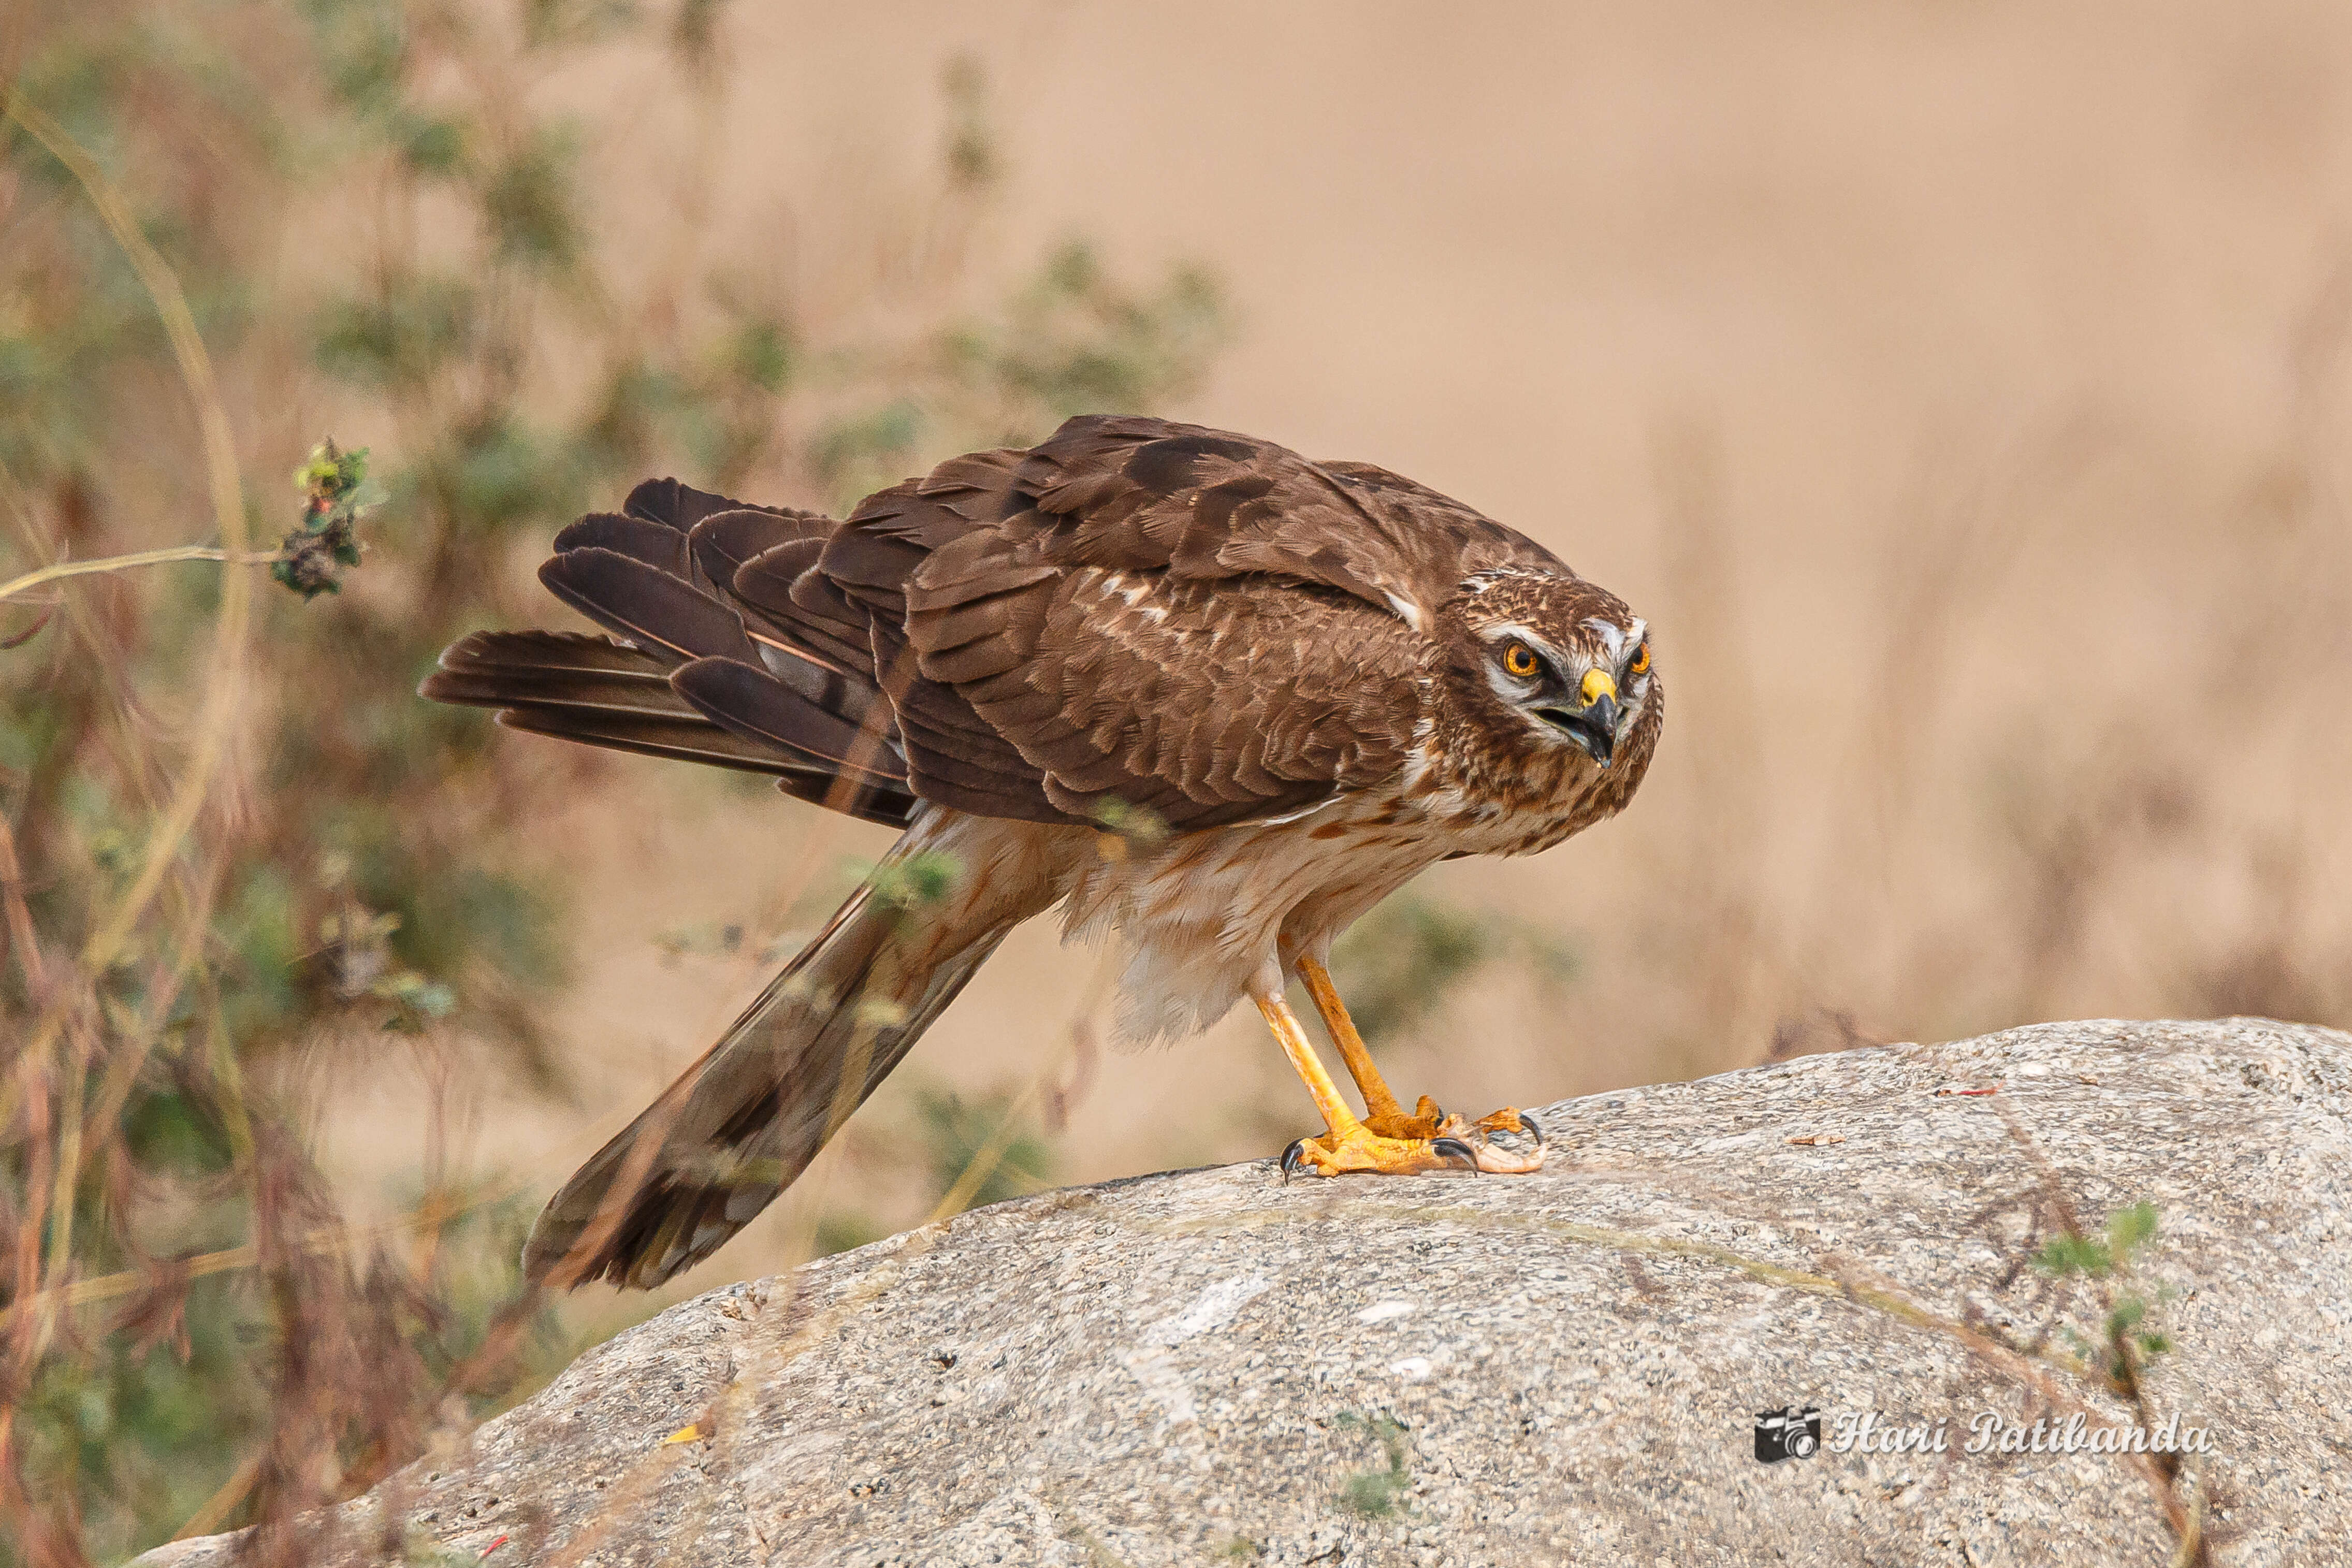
x=1191 y=687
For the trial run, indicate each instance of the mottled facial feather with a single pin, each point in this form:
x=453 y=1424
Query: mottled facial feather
x=1572 y=625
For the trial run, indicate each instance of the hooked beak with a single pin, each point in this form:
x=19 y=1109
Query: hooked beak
x=1593 y=726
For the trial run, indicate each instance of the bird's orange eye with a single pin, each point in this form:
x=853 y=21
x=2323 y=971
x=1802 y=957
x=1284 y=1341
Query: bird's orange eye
x=1519 y=659
x=1641 y=665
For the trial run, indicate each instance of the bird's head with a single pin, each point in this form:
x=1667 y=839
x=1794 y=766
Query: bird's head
x=1562 y=660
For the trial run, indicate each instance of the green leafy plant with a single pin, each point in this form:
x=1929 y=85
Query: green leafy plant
x=334 y=487
x=912 y=881
x=1402 y=960
x=2123 y=1344
x=1380 y=1491
x=1129 y=827
x=2128 y=1230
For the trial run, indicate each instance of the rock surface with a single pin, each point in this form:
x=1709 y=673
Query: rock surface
x=1208 y=1366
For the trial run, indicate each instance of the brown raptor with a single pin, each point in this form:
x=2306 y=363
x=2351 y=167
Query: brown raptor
x=1190 y=687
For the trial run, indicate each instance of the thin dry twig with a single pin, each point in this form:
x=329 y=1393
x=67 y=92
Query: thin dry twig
x=217 y=715
x=104 y=563
x=323 y=1242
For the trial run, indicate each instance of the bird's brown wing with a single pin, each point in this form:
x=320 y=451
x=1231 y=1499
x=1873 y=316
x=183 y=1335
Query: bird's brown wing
x=703 y=674
x=1141 y=615
x=1134 y=613
x=1202 y=703
x=1133 y=494
x=1450 y=540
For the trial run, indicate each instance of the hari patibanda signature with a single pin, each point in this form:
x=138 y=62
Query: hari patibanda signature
x=1867 y=1432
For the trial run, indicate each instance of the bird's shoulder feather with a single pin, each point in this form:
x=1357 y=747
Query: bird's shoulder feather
x=1173 y=619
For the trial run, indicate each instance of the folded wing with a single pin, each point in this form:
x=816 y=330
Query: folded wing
x=701 y=675
x=1133 y=615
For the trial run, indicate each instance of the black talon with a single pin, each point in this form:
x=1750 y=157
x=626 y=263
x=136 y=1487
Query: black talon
x=1292 y=1158
x=1528 y=1123
x=1454 y=1148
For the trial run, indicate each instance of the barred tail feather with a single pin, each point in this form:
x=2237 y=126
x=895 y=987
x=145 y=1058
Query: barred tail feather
x=742 y=1122
x=612 y=694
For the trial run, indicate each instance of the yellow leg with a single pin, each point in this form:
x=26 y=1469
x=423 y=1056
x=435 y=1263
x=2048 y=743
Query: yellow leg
x=1347 y=1143
x=1292 y=1038
x=1382 y=1111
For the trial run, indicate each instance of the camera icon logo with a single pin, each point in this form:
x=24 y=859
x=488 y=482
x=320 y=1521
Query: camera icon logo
x=1793 y=1432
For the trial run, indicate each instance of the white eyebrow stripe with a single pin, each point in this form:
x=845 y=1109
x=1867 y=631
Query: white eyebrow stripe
x=1533 y=638
x=1478 y=581
x=1505 y=689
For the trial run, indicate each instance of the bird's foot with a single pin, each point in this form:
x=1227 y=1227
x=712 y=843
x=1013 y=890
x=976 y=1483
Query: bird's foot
x=1422 y=1123
x=1358 y=1148
x=1495 y=1158
x=1425 y=1142
x=1428 y=1122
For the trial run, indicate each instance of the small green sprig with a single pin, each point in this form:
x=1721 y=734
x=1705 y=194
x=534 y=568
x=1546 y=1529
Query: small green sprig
x=1126 y=829
x=923 y=878
x=357 y=958
x=2128 y=1230
x=334 y=487
x=1377 y=1493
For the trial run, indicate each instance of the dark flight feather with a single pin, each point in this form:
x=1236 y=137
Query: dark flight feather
x=689 y=740
x=724 y=540
x=680 y=506
x=657 y=610
x=749 y=701
x=657 y=544
x=603 y=693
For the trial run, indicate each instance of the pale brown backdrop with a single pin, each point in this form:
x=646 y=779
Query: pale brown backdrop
x=1957 y=387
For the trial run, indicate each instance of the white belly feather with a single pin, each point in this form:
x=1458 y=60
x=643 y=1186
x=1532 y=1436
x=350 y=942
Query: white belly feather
x=1201 y=913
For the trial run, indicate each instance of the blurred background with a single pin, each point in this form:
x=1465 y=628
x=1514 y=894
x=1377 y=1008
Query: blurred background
x=1959 y=390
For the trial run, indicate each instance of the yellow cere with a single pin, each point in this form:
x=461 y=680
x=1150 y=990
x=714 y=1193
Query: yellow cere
x=1598 y=684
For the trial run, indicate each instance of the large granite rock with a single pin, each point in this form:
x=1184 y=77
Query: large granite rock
x=1210 y=1365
